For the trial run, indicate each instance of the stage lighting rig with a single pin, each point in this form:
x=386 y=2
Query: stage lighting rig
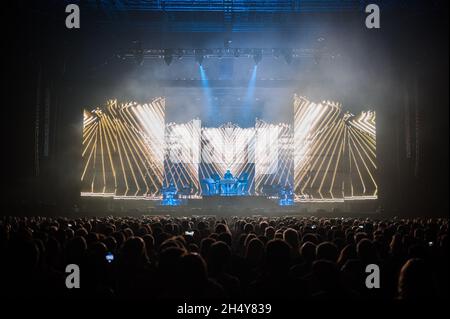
x=138 y=54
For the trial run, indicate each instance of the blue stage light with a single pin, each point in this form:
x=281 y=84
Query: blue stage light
x=286 y=202
x=251 y=86
x=249 y=97
x=206 y=93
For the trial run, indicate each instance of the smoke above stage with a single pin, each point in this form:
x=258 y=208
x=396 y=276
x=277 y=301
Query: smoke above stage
x=324 y=154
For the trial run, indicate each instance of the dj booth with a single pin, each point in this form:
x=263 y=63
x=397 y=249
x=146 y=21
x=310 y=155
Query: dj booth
x=227 y=186
x=216 y=187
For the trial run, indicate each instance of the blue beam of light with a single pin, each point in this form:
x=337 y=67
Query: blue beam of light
x=207 y=94
x=250 y=96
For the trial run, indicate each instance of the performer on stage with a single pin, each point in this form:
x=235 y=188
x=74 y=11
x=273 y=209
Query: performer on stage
x=170 y=195
x=172 y=189
x=228 y=175
x=227 y=183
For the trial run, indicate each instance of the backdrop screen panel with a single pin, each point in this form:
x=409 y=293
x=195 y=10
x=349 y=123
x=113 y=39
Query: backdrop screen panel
x=324 y=154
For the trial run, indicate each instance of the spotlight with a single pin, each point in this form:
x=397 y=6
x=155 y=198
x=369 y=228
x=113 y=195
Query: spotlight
x=179 y=54
x=320 y=49
x=138 y=53
x=276 y=53
x=317 y=57
x=199 y=57
x=287 y=53
x=227 y=43
x=168 y=57
x=257 y=56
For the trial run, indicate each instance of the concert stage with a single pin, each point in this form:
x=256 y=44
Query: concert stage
x=222 y=206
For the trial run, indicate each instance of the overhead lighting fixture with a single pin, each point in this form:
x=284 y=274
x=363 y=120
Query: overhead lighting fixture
x=227 y=43
x=276 y=53
x=199 y=56
x=257 y=56
x=317 y=57
x=179 y=54
x=138 y=53
x=168 y=57
x=319 y=50
x=287 y=53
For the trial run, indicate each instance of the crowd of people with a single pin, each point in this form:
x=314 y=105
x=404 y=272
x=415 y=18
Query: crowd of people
x=210 y=257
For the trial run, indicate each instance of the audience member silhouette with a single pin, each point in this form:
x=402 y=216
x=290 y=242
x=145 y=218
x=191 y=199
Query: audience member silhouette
x=195 y=258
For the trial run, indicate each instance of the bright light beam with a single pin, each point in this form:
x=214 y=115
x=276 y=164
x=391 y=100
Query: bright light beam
x=206 y=93
x=248 y=101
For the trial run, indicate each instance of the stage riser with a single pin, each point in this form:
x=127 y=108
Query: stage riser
x=248 y=205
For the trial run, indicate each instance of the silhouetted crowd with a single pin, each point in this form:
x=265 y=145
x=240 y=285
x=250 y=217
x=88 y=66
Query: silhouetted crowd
x=194 y=258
